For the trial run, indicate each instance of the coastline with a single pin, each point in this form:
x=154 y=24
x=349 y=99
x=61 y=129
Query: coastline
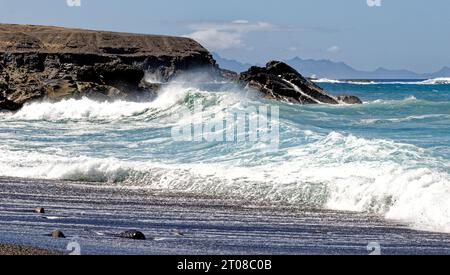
x=178 y=223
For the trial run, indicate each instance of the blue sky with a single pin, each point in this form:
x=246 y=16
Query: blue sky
x=411 y=34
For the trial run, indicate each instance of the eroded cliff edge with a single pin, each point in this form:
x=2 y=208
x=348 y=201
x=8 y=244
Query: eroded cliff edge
x=53 y=62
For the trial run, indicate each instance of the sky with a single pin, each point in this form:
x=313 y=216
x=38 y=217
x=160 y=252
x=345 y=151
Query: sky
x=367 y=34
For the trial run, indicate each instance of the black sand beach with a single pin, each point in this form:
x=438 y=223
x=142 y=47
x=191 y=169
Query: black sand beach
x=93 y=214
x=19 y=250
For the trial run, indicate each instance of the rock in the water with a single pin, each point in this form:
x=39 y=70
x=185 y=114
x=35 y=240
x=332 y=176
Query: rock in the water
x=38 y=62
x=277 y=80
x=132 y=234
x=39 y=210
x=57 y=234
x=349 y=99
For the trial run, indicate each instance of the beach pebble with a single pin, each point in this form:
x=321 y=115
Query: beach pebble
x=132 y=234
x=57 y=234
x=39 y=210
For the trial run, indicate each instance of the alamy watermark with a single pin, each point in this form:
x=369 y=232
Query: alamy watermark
x=73 y=3
x=254 y=124
x=74 y=247
x=374 y=248
x=374 y=3
x=77 y=3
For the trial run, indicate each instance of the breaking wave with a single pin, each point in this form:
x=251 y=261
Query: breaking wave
x=320 y=162
x=433 y=81
x=340 y=172
x=440 y=80
x=335 y=81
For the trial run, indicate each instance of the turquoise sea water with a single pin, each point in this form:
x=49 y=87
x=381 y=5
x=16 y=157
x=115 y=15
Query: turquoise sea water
x=389 y=156
x=406 y=113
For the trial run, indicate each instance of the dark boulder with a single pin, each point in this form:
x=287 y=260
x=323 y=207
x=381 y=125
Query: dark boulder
x=132 y=234
x=277 y=80
x=39 y=210
x=349 y=99
x=57 y=234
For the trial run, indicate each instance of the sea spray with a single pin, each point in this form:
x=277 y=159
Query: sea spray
x=252 y=124
x=389 y=156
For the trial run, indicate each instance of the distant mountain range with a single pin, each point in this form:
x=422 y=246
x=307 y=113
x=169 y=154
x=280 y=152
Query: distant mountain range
x=335 y=70
x=230 y=64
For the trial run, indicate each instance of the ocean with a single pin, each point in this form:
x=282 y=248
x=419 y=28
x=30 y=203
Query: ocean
x=389 y=156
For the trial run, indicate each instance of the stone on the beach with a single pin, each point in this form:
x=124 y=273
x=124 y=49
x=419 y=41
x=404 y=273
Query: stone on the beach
x=57 y=234
x=349 y=99
x=132 y=234
x=39 y=210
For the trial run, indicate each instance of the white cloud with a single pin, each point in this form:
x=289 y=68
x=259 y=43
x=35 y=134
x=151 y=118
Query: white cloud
x=226 y=35
x=240 y=21
x=334 y=49
x=217 y=40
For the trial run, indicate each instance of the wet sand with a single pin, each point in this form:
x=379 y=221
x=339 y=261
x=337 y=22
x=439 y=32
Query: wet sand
x=91 y=215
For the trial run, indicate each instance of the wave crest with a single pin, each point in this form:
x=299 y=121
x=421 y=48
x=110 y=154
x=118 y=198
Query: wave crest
x=432 y=81
x=341 y=172
x=168 y=101
x=437 y=81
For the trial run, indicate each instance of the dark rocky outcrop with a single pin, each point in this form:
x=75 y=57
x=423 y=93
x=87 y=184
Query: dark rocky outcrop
x=6 y=104
x=39 y=210
x=349 y=99
x=132 y=234
x=278 y=80
x=50 y=62
x=57 y=234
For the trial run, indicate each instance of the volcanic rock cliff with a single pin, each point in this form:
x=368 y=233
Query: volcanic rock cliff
x=51 y=62
x=279 y=81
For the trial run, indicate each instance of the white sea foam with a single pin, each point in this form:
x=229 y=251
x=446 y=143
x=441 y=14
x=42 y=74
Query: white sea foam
x=404 y=119
x=433 y=81
x=393 y=101
x=335 y=170
x=171 y=96
x=440 y=80
x=342 y=172
x=326 y=80
x=73 y=109
x=154 y=78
